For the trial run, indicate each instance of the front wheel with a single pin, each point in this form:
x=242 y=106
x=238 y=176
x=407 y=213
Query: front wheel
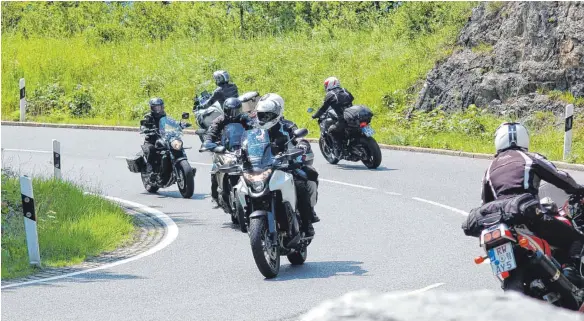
x=185 y=179
x=327 y=151
x=266 y=256
x=372 y=159
x=241 y=216
x=297 y=258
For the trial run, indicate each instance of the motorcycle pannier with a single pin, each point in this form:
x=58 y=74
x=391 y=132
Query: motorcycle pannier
x=249 y=101
x=513 y=210
x=355 y=115
x=136 y=164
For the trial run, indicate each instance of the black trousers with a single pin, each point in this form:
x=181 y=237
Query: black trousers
x=337 y=130
x=151 y=156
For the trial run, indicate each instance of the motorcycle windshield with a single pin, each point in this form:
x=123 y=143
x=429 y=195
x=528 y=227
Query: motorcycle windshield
x=232 y=135
x=169 y=128
x=256 y=143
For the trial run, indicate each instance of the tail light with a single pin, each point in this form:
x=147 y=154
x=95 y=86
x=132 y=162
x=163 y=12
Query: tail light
x=495 y=234
x=363 y=124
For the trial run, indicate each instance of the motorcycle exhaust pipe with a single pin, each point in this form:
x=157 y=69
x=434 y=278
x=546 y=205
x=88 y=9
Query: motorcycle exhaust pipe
x=552 y=269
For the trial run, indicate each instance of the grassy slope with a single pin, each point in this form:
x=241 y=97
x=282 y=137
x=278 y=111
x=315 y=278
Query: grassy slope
x=373 y=65
x=71 y=225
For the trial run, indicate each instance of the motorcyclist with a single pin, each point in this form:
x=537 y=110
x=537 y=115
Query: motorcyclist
x=151 y=127
x=338 y=99
x=224 y=89
x=514 y=172
x=232 y=114
x=269 y=116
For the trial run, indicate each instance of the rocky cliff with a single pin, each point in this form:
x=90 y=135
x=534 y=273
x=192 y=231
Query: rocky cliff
x=508 y=56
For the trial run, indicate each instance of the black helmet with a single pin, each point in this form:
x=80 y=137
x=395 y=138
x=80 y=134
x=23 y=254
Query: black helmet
x=221 y=77
x=157 y=105
x=232 y=107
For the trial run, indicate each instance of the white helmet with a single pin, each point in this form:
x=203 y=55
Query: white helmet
x=331 y=82
x=269 y=110
x=511 y=135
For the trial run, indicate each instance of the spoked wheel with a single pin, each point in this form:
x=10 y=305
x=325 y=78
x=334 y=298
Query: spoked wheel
x=147 y=185
x=372 y=158
x=297 y=258
x=327 y=151
x=185 y=179
x=266 y=256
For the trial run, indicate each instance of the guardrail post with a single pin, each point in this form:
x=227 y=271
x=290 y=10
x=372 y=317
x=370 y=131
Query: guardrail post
x=57 y=158
x=30 y=224
x=569 y=123
x=22 y=100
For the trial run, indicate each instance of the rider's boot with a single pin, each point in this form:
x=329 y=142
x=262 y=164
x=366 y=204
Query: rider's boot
x=315 y=218
x=309 y=230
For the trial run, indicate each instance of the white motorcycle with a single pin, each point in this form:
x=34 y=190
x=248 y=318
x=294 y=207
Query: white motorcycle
x=267 y=193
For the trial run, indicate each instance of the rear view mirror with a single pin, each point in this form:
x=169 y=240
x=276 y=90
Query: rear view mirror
x=300 y=132
x=310 y=110
x=185 y=115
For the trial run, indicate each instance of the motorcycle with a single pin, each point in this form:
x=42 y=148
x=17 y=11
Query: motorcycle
x=227 y=154
x=526 y=263
x=172 y=159
x=267 y=193
x=358 y=145
x=205 y=117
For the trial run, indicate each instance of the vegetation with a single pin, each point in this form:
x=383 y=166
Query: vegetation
x=71 y=226
x=96 y=62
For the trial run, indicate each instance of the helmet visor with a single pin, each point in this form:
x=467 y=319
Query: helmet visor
x=157 y=108
x=264 y=117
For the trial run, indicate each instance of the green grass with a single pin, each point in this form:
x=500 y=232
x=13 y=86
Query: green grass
x=76 y=79
x=71 y=226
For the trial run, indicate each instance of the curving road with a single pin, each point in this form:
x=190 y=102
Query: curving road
x=396 y=228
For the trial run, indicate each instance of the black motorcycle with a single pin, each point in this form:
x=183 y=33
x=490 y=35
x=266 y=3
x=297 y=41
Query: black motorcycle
x=171 y=161
x=358 y=143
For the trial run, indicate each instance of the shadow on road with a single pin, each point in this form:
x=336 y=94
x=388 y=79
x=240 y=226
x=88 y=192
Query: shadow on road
x=174 y=194
x=362 y=167
x=231 y=226
x=319 y=270
x=80 y=278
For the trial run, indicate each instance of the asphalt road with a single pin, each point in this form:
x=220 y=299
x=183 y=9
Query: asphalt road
x=380 y=233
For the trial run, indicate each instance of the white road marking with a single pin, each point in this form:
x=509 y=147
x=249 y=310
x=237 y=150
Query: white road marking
x=197 y=163
x=121 y=157
x=429 y=287
x=169 y=237
x=441 y=205
x=393 y=193
x=26 y=150
x=347 y=184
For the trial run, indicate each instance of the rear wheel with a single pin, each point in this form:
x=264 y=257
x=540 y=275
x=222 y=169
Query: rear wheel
x=297 y=258
x=372 y=158
x=266 y=256
x=150 y=188
x=185 y=179
x=327 y=151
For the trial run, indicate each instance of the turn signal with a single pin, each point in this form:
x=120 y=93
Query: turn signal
x=480 y=259
x=523 y=242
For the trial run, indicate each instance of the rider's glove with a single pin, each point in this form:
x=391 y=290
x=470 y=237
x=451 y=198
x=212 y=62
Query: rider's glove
x=315 y=116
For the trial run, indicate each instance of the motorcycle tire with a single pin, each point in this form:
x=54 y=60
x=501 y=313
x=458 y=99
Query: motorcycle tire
x=241 y=216
x=374 y=157
x=187 y=188
x=258 y=233
x=146 y=182
x=327 y=152
x=298 y=258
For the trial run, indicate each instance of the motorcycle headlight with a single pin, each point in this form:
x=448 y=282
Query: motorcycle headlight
x=176 y=144
x=257 y=180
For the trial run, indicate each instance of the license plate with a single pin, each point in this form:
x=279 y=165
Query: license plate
x=368 y=131
x=502 y=258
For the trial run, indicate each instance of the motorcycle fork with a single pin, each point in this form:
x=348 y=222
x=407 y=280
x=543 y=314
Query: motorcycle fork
x=272 y=222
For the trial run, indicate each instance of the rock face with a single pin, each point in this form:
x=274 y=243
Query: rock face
x=438 y=306
x=507 y=54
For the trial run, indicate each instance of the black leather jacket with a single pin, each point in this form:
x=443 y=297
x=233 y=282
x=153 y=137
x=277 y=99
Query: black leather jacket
x=152 y=122
x=514 y=172
x=338 y=99
x=214 y=132
x=221 y=93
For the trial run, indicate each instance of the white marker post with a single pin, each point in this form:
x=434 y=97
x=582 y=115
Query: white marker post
x=57 y=158
x=22 y=100
x=568 y=131
x=30 y=224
